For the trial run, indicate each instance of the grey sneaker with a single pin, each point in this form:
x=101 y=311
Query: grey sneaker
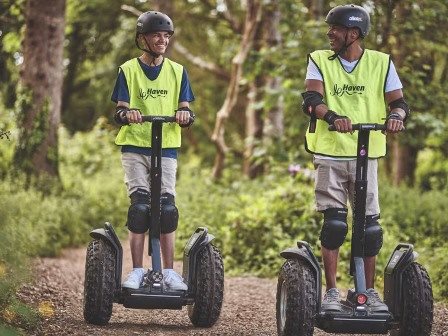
x=374 y=302
x=332 y=301
x=134 y=279
x=173 y=280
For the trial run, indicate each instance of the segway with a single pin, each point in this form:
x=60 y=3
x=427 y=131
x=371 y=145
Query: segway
x=203 y=269
x=407 y=287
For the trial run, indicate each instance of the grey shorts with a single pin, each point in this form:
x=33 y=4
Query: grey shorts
x=137 y=168
x=335 y=183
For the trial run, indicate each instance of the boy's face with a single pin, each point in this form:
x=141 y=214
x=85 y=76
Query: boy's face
x=158 y=41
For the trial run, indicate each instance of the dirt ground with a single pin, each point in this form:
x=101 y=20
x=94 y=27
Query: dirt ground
x=248 y=309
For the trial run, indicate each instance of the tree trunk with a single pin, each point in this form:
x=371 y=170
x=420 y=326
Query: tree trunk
x=274 y=124
x=252 y=166
x=404 y=156
x=316 y=9
x=253 y=16
x=39 y=99
x=264 y=122
x=254 y=112
x=404 y=162
x=76 y=53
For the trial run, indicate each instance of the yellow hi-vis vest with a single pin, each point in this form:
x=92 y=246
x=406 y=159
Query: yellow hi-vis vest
x=152 y=97
x=358 y=95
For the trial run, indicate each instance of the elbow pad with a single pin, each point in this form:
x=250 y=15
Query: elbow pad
x=311 y=99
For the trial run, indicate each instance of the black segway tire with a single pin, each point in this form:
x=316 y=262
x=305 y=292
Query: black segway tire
x=99 y=282
x=209 y=287
x=417 y=309
x=296 y=299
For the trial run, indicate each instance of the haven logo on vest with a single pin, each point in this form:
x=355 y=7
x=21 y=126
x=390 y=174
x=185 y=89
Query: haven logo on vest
x=152 y=93
x=347 y=89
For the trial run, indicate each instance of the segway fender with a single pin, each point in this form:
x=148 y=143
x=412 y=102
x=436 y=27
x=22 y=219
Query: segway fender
x=198 y=240
x=401 y=258
x=108 y=234
x=303 y=251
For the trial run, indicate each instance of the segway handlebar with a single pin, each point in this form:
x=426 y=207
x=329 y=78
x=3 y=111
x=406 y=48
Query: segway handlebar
x=363 y=127
x=164 y=119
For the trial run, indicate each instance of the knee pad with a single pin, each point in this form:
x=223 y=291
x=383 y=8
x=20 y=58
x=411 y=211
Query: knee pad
x=139 y=212
x=169 y=216
x=373 y=236
x=334 y=228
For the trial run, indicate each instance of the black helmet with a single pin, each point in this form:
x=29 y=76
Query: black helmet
x=154 y=21
x=350 y=16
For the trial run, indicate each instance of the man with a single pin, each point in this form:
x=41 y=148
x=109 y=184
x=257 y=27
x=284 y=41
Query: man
x=357 y=84
x=151 y=85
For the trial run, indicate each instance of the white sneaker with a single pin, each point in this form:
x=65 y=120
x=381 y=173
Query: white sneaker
x=173 y=280
x=135 y=278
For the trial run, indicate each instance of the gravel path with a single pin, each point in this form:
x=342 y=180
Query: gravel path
x=249 y=306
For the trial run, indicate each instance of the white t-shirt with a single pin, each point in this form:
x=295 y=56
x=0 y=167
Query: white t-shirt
x=392 y=83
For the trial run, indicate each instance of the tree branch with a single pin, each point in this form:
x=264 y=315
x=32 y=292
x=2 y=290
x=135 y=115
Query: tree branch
x=253 y=17
x=229 y=17
x=225 y=15
x=131 y=9
x=201 y=63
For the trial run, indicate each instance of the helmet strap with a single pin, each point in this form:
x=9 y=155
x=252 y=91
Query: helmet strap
x=343 y=49
x=152 y=53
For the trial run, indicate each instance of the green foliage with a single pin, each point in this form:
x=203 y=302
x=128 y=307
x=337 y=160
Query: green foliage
x=419 y=218
x=92 y=193
x=14 y=268
x=252 y=220
x=6 y=145
x=11 y=28
x=432 y=171
x=31 y=138
x=20 y=315
x=9 y=331
x=436 y=262
x=37 y=223
x=95 y=53
x=13 y=265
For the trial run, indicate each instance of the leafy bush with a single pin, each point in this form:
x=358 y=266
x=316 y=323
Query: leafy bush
x=40 y=223
x=21 y=316
x=432 y=170
x=8 y=331
x=419 y=218
x=253 y=220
